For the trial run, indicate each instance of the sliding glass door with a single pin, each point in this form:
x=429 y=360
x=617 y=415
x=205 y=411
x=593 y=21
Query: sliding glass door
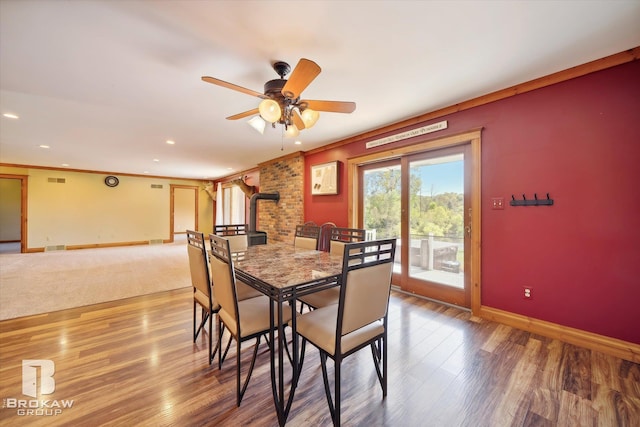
x=422 y=199
x=438 y=217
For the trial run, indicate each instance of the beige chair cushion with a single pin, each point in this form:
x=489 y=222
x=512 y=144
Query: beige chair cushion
x=336 y=248
x=319 y=327
x=238 y=242
x=198 y=269
x=322 y=298
x=244 y=291
x=367 y=296
x=254 y=316
x=203 y=300
x=305 y=242
x=222 y=284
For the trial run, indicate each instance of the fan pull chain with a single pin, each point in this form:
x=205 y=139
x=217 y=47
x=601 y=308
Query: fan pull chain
x=282 y=138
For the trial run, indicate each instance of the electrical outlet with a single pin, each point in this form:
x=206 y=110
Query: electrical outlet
x=528 y=292
x=497 y=203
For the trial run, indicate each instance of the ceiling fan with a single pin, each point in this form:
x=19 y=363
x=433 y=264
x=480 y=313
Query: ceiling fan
x=281 y=101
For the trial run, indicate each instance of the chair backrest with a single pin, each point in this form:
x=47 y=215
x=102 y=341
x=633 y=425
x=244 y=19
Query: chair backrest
x=341 y=236
x=236 y=234
x=325 y=236
x=223 y=276
x=307 y=236
x=366 y=284
x=230 y=229
x=198 y=266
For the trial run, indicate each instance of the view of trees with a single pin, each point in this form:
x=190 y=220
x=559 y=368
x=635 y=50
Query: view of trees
x=440 y=214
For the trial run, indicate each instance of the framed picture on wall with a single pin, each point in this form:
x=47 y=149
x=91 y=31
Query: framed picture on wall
x=324 y=178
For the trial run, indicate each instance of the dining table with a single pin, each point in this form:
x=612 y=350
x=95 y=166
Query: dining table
x=283 y=273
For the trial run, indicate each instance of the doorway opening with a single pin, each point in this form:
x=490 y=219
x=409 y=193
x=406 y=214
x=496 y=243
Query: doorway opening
x=13 y=213
x=184 y=211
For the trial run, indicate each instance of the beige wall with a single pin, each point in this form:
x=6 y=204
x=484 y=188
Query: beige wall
x=84 y=211
x=10 y=193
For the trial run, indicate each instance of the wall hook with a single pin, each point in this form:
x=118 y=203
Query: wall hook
x=531 y=202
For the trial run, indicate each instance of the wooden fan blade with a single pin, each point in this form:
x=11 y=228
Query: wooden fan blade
x=302 y=75
x=297 y=120
x=245 y=114
x=330 y=106
x=231 y=86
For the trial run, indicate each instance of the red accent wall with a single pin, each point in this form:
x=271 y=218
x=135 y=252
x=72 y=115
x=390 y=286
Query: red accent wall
x=579 y=141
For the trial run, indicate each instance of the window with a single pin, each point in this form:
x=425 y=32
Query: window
x=230 y=207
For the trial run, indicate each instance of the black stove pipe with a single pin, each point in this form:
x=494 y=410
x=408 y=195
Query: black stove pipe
x=258 y=237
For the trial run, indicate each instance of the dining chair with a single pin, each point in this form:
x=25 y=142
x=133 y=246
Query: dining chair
x=341 y=235
x=338 y=238
x=236 y=233
x=307 y=236
x=238 y=242
x=358 y=320
x=201 y=282
x=246 y=319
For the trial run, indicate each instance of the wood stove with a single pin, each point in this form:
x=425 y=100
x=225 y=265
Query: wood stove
x=254 y=236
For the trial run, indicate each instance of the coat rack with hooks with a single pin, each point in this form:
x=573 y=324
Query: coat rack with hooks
x=531 y=202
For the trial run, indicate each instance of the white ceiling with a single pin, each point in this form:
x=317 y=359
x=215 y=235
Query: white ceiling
x=105 y=83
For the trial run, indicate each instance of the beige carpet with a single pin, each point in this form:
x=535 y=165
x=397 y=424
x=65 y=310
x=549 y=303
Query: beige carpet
x=49 y=281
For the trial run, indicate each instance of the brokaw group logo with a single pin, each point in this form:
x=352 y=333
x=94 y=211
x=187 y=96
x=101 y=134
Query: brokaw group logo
x=30 y=377
x=35 y=406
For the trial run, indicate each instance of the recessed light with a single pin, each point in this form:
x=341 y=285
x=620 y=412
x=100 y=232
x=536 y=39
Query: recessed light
x=170 y=142
x=145 y=172
x=10 y=116
x=44 y=146
x=229 y=169
x=65 y=164
x=298 y=143
x=156 y=160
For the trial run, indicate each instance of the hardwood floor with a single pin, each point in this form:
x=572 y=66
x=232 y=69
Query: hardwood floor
x=132 y=362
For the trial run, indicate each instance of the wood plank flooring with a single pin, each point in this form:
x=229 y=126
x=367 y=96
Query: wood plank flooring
x=133 y=362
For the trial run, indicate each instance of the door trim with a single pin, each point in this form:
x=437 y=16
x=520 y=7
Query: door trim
x=24 y=181
x=472 y=137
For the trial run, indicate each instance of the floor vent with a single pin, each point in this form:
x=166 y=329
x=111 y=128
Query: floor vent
x=55 y=248
x=58 y=180
x=156 y=241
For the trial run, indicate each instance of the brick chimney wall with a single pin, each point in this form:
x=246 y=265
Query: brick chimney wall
x=286 y=176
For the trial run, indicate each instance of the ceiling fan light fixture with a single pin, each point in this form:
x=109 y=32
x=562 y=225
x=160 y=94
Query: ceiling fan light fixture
x=257 y=123
x=291 y=131
x=309 y=117
x=269 y=110
x=281 y=102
